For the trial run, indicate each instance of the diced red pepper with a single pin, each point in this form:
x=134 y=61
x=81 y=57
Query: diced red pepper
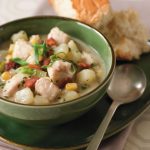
x=10 y=65
x=84 y=65
x=51 y=42
x=34 y=66
x=46 y=61
x=30 y=82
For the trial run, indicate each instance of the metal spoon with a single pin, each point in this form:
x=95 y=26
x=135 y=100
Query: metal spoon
x=127 y=85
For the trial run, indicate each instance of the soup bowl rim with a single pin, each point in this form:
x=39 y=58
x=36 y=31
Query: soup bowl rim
x=101 y=85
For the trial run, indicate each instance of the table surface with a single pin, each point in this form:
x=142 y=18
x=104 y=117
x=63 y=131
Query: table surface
x=139 y=138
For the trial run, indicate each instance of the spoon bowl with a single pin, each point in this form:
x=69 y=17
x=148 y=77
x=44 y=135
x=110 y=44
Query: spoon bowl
x=127 y=85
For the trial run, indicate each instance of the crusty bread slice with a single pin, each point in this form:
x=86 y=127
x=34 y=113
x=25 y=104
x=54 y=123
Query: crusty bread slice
x=123 y=29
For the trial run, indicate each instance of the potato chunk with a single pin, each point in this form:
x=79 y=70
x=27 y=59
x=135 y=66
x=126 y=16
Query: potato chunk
x=40 y=100
x=20 y=35
x=70 y=95
x=86 y=77
x=24 y=96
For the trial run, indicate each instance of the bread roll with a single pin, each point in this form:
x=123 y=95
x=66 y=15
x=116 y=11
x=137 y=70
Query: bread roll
x=127 y=35
x=93 y=12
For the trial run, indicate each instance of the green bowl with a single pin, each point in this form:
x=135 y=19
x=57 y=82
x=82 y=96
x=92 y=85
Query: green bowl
x=59 y=113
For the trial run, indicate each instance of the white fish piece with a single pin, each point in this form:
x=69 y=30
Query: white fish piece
x=22 y=49
x=58 y=35
x=59 y=71
x=70 y=95
x=12 y=84
x=47 y=89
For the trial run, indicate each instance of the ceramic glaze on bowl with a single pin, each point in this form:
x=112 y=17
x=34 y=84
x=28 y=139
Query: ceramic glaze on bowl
x=63 y=112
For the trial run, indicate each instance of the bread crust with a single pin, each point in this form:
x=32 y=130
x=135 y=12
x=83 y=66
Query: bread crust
x=93 y=12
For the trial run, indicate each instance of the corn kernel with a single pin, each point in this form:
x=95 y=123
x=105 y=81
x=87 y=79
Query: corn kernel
x=6 y=76
x=71 y=86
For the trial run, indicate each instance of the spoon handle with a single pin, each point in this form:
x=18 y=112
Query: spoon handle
x=94 y=144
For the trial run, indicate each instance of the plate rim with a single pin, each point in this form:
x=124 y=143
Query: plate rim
x=107 y=135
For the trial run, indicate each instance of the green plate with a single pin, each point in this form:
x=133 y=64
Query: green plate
x=76 y=134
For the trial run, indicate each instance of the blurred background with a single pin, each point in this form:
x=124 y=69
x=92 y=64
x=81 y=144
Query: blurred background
x=14 y=9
